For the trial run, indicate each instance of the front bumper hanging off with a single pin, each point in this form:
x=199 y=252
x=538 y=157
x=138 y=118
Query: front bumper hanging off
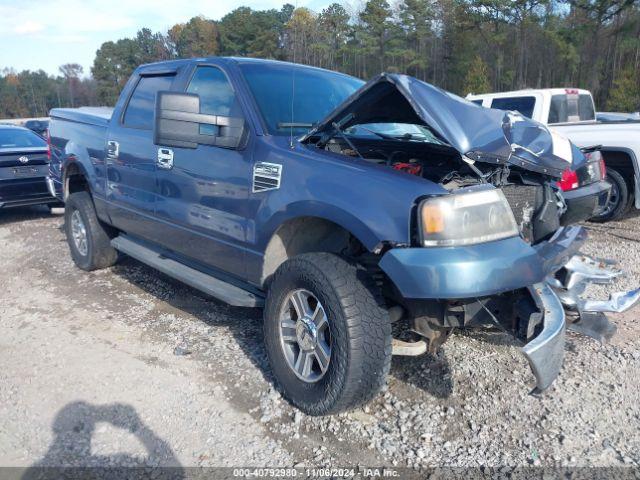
x=561 y=300
x=545 y=352
x=555 y=274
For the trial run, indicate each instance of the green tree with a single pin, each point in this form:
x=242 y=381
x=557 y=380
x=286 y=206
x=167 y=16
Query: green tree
x=416 y=18
x=376 y=21
x=302 y=32
x=12 y=101
x=477 y=79
x=625 y=94
x=334 y=27
x=112 y=67
x=250 y=33
x=71 y=73
x=34 y=93
x=196 y=38
x=153 y=46
x=460 y=45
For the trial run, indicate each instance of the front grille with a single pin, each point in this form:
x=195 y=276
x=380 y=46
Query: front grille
x=524 y=201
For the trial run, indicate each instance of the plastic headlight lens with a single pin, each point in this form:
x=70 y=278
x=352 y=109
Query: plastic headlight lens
x=466 y=218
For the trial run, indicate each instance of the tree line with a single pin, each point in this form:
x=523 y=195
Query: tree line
x=461 y=45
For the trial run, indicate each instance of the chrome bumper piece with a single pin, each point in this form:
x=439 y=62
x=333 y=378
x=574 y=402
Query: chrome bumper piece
x=560 y=299
x=50 y=186
x=618 y=302
x=582 y=270
x=545 y=352
x=588 y=315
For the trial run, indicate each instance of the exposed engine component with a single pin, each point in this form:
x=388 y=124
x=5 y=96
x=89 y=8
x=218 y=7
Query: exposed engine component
x=533 y=198
x=414 y=168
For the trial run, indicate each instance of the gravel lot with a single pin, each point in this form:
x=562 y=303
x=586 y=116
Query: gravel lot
x=127 y=367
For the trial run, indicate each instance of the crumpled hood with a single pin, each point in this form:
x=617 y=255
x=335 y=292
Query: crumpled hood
x=481 y=134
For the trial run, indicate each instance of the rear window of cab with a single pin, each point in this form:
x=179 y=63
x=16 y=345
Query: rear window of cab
x=566 y=108
x=523 y=105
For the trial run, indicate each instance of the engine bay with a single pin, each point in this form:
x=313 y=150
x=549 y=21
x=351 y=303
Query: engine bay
x=534 y=198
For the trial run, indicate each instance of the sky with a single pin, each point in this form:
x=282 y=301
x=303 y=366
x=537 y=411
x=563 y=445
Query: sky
x=44 y=34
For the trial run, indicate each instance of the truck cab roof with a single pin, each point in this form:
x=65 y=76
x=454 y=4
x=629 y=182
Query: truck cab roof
x=172 y=65
x=545 y=105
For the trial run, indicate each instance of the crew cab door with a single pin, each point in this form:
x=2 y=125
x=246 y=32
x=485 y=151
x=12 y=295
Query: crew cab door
x=131 y=158
x=202 y=192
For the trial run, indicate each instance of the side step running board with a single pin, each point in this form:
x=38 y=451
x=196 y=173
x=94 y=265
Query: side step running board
x=208 y=284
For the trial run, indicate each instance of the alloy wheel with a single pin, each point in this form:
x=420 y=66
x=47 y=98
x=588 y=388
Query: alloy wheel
x=305 y=336
x=79 y=233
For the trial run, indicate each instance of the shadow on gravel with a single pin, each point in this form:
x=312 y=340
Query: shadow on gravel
x=70 y=456
x=493 y=337
x=21 y=214
x=430 y=373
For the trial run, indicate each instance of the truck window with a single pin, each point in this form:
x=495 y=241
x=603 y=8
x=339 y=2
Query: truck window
x=566 y=108
x=524 y=105
x=139 y=112
x=216 y=96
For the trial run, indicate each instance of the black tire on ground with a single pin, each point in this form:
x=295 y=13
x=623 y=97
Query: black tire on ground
x=359 y=329
x=99 y=252
x=620 y=200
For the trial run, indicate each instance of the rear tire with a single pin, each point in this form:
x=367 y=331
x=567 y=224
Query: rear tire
x=358 y=333
x=620 y=200
x=89 y=240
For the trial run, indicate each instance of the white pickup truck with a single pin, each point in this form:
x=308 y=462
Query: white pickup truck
x=570 y=112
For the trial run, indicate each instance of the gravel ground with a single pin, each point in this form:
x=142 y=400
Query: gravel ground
x=127 y=367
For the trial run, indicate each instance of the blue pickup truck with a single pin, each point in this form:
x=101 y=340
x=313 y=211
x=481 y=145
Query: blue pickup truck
x=340 y=208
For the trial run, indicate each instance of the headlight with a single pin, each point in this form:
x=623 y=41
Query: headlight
x=467 y=217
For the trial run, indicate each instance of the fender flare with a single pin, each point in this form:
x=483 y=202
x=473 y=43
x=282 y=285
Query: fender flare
x=77 y=157
x=310 y=208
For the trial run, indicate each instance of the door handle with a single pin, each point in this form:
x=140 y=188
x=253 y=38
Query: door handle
x=165 y=158
x=113 y=150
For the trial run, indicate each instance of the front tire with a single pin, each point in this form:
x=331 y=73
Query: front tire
x=327 y=333
x=619 y=201
x=89 y=240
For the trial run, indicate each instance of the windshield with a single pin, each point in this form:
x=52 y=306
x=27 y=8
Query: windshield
x=18 y=138
x=317 y=93
x=400 y=131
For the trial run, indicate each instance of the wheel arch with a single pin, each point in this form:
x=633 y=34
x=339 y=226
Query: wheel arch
x=308 y=234
x=625 y=161
x=78 y=170
x=74 y=179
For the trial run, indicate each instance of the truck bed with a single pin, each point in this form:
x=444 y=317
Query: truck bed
x=597 y=133
x=99 y=116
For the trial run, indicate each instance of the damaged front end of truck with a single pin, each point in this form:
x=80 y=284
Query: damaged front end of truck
x=490 y=248
x=533 y=292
